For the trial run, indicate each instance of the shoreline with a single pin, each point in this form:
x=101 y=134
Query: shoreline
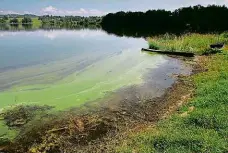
x=192 y=106
x=198 y=122
x=111 y=121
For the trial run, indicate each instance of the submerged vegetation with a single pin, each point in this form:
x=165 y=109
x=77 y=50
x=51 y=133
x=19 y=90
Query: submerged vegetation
x=77 y=130
x=22 y=114
x=61 y=133
x=17 y=117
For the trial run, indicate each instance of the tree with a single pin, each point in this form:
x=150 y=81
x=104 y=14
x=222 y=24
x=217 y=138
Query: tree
x=70 y=21
x=5 y=17
x=2 y=21
x=14 y=21
x=26 y=20
x=189 y=19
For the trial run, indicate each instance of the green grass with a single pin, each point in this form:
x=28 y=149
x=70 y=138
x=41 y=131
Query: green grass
x=205 y=129
x=196 y=43
x=36 y=23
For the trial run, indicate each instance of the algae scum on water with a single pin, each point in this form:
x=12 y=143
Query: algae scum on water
x=47 y=77
x=68 y=68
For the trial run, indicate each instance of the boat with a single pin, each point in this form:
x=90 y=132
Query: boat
x=217 y=46
x=176 y=53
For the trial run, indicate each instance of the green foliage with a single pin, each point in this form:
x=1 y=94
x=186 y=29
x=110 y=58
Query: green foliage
x=153 y=22
x=197 y=43
x=153 y=46
x=14 y=21
x=2 y=21
x=70 y=21
x=5 y=17
x=26 y=20
x=52 y=21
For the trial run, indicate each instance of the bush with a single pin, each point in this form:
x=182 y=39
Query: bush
x=26 y=20
x=14 y=21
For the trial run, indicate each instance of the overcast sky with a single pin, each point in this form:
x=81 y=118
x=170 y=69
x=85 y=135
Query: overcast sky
x=94 y=7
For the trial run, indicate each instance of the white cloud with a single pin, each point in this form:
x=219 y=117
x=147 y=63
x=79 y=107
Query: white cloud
x=8 y=12
x=49 y=9
x=28 y=12
x=82 y=12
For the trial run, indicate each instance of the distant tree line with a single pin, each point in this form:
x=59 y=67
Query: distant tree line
x=189 y=19
x=49 y=21
x=198 y=18
x=24 y=21
x=18 y=15
x=13 y=19
x=70 y=21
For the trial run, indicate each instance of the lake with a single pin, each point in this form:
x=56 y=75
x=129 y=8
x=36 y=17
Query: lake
x=71 y=68
x=67 y=68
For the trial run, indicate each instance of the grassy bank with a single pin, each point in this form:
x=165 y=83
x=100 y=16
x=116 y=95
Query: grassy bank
x=201 y=125
x=196 y=43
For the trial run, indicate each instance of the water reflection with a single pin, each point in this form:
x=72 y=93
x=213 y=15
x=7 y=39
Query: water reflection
x=127 y=32
x=16 y=27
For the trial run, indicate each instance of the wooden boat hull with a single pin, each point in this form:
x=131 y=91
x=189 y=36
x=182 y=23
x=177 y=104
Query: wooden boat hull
x=170 y=52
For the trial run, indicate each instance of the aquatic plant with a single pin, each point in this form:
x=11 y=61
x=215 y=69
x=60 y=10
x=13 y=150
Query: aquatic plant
x=19 y=115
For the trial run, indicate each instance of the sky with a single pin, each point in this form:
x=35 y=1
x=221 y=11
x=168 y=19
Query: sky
x=94 y=7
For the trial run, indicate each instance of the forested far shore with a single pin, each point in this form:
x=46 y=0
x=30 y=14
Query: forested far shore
x=70 y=20
x=137 y=24
x=51 y=21
x=188 y=19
